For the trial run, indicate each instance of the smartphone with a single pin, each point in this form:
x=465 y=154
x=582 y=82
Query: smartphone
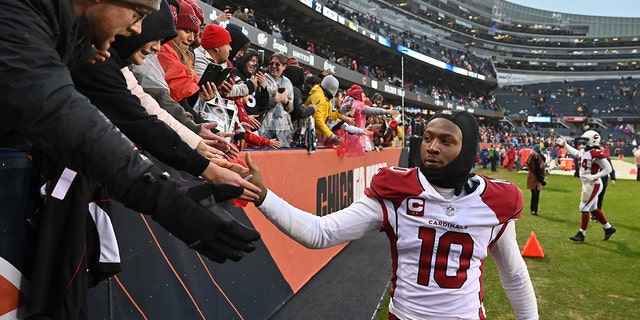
x=261 y=53
x=224 y=75
x=281 y=90
x=216 y=74
x=256 y=69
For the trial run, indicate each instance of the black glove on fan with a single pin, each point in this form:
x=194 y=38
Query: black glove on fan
x=192 y=215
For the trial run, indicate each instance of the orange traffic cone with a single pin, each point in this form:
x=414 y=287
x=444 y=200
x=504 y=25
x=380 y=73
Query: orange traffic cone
x=532 y=248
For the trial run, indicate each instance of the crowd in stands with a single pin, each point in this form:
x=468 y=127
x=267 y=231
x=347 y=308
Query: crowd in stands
x=190 y=96
x=504 y=139
x=530 y=133
x=214 y=77
x=280 y=29
x=455 y=57
x=524 y=33
x=604 y=98
x=542 y=100
x=274 y=102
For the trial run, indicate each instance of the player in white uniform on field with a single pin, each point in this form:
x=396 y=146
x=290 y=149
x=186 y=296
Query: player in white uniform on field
x=441 y=221
x=592 y=165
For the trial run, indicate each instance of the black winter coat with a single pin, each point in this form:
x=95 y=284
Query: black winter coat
x=40 y=104
x=42 y=111
x=105 y=85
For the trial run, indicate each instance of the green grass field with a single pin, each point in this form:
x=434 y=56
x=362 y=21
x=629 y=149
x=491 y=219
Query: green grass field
x=591 y=280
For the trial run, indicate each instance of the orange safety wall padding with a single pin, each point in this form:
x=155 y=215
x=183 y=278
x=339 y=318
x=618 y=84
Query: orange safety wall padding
x=306 y=181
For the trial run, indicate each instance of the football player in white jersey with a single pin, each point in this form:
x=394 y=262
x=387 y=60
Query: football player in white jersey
x=592 y=166
x=441 y=220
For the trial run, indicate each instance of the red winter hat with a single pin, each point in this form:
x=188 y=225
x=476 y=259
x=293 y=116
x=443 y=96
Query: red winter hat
x=214 y=36
x=197 y=10
x=355 y=92
x=292 y=61
x=187 y=18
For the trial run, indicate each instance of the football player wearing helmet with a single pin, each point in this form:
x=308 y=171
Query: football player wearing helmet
x=592 y=165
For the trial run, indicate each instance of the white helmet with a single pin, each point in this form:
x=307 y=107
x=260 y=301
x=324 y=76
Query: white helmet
x=590 y=138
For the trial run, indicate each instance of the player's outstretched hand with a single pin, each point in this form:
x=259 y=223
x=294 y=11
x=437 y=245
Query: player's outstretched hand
x=256 y=178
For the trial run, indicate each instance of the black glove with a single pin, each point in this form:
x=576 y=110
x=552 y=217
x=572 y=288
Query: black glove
x=221 y=192
x=192 y=216
x=544 y=183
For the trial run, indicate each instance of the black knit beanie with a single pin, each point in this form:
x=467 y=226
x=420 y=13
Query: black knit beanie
x=238 y=39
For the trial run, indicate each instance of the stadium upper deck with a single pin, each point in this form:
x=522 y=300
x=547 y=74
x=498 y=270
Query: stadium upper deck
x=437 y=29
x=518 y=37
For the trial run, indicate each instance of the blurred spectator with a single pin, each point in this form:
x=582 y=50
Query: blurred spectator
x=295 y=74
x=354 y=102
x=248 y=77
x=222 y=109
x=536 y=176
x=276 y=120
x=177 y=62
x=239 y=41
x=321 y=95
x=239 y=14
x=301 y=116
x=251 y=18
x=223 y=18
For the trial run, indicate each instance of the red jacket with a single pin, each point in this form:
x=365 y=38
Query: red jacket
x=181 y=84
